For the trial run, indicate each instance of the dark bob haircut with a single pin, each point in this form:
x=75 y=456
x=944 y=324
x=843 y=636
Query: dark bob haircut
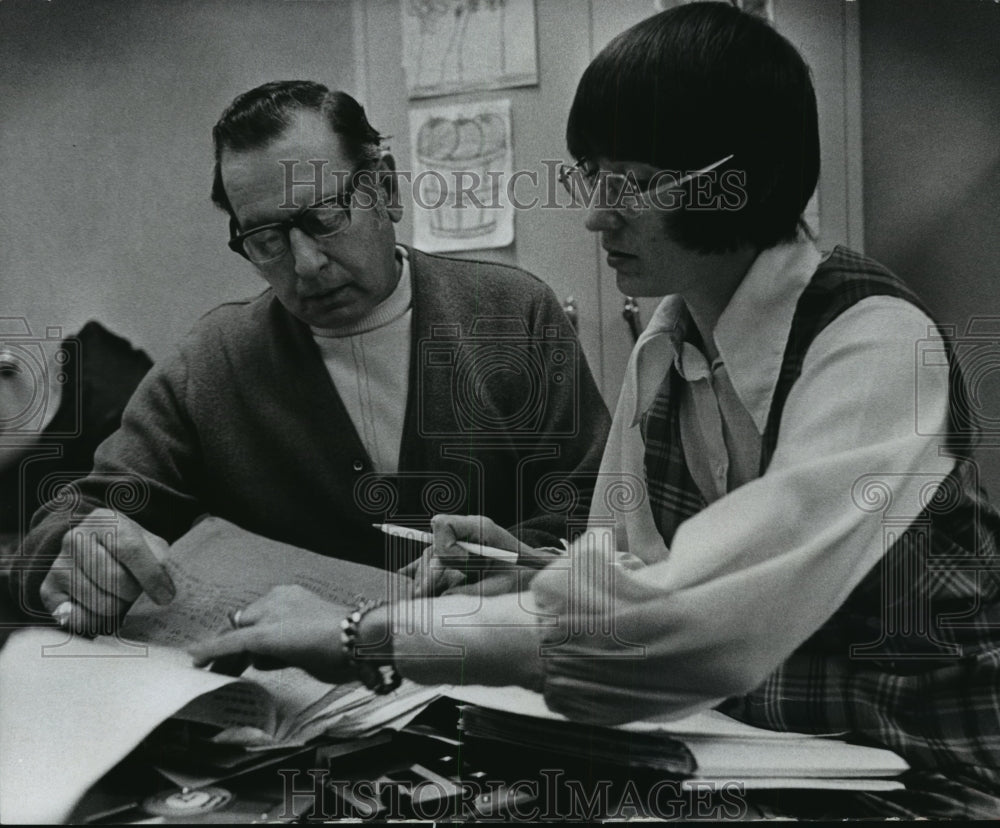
x=688 y=86
x=262 y=115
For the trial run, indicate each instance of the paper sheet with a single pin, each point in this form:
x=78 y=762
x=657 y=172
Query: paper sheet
x=239 y=704
x=70 y=709
x=218 y=567
x=789 y=783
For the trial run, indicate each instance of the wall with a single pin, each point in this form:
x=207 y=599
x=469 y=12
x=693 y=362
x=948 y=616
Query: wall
x=106 y=110
x=931 y=112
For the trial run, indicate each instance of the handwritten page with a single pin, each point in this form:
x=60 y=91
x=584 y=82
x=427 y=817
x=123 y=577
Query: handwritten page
x=238 y=705
x=218 y=568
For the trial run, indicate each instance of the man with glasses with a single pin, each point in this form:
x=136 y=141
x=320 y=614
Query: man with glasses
x=369 y=381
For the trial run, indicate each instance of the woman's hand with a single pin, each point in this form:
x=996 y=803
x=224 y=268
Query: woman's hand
x=446 y=567
x=290 y=626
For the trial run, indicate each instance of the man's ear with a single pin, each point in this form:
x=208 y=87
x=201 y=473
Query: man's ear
x=385 y=171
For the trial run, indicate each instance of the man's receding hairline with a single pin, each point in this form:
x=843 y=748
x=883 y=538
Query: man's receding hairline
x=226 y=151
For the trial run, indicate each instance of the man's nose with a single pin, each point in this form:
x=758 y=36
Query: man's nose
x=602 y=218
x=308 y=255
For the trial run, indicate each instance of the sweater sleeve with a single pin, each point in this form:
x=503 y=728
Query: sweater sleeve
x=145 y=470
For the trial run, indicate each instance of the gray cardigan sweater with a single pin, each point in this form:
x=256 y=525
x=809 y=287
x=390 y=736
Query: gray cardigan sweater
x=245 y=423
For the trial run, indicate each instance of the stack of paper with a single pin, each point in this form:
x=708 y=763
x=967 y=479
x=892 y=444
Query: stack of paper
x=721 y=748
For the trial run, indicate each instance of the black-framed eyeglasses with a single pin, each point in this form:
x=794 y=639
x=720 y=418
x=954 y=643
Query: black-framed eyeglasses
x=589 y=186
x=269 y=242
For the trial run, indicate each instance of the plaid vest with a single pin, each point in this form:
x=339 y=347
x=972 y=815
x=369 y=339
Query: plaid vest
x=911 y=660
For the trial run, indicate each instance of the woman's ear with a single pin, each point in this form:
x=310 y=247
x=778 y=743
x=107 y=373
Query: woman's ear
x=385 y=172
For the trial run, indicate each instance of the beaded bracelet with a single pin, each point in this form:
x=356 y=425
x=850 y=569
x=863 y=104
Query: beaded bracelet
x=380 y=678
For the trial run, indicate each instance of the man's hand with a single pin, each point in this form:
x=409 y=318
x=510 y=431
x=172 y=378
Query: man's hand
x=446 y=567
x=104 y=564
x=290 y=626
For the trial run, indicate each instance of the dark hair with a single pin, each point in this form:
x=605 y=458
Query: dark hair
x=688 y=86
x=260 y=116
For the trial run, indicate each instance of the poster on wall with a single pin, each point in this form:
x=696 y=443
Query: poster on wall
x=761 y=8
x=454 y=46
x=462 y=162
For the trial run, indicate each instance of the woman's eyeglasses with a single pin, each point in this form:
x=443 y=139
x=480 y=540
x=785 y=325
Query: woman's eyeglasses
x=591 y=187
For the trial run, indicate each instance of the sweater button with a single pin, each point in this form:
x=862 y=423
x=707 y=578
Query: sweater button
x=358 y=465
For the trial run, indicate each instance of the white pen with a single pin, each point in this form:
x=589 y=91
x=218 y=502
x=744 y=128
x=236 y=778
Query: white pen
x=428 y=538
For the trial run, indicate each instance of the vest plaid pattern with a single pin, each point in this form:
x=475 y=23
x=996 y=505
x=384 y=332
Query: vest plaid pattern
x=911 y=660
x=673 y=494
